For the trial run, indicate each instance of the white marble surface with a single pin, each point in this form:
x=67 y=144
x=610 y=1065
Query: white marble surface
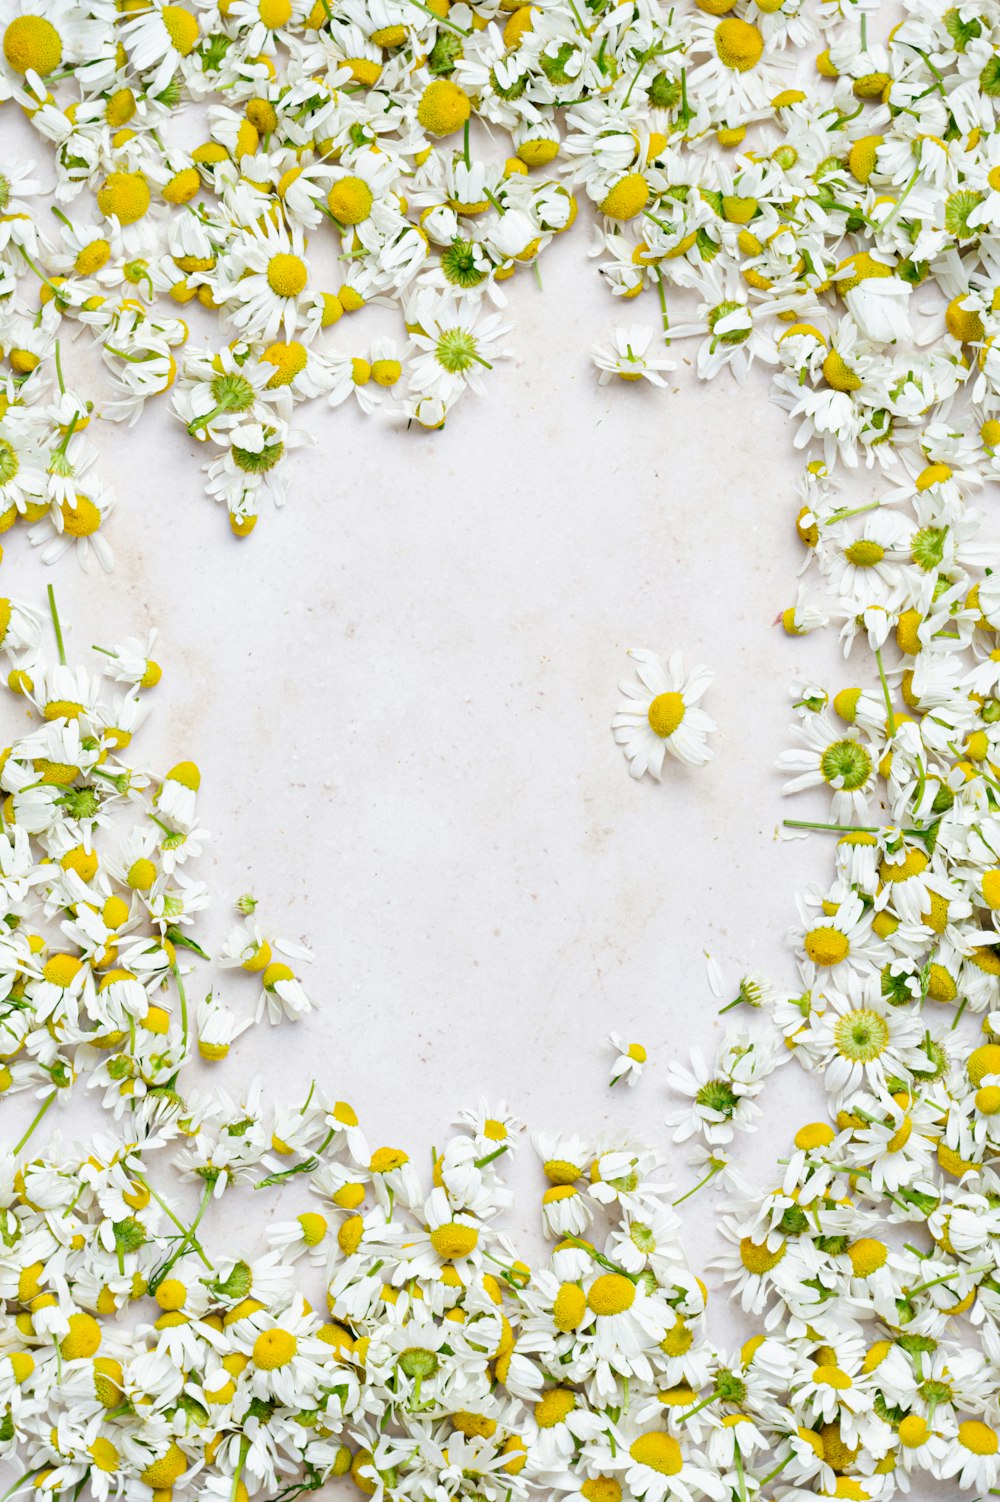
x=399 y=691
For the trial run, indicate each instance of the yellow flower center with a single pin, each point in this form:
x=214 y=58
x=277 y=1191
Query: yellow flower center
x=982 y=1062
x=559 y=1171
x=386 y=372
x=22 y=1364
x=864 y=553
x=62 y=969
x=443 y=108
x=627 y=198
x=109 y=1381
x=838 y=374
x=913 y=1431
x=601 y=1489
x=182 y=27
x=287 y=359
x=867 y=1255
x=350 y=1234
x=141 y=875
x=554 y=1406
x=832 y=1376
x=678 y=1341
x=453 y=1240
x=988 y=1100
x=124 y=196
x=169 y=1468
x=350 y=200
x=815 y=1134
x=31 y=43
x=313 y=1227
x=612 y=1293
x=990 y=883
x=826 y=946
x=182 y=186
x=665 y=714
x=274 y=1348
x=739 y=44
x=274 y=13
x=569 y=1307
x=81 y=519
x=756 y=1258
x=659 y=1451
x=861 y=158
x=286 y=275
x=92 y=257
x=82 y=1338
x=103 y=1453
x=978 y=1437
x=386 y=1159
x=171 y=1294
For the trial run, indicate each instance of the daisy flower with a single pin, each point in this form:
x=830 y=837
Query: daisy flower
x=660 y=714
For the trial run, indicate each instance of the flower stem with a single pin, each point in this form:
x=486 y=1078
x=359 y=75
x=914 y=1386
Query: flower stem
x=38 y=1117
x=885 y=692
x=54 y=612
x=716 y=1168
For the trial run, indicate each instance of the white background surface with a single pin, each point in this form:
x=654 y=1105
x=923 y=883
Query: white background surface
x=399 y=691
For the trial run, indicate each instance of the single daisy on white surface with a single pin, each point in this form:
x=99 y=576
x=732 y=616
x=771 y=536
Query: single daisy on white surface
x=628 y=357
x=629 y=1060
x=660 y=715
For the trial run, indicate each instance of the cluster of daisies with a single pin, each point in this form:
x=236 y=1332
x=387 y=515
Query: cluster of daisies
x=779 y=182
x=836 y=221
x=386 y=1328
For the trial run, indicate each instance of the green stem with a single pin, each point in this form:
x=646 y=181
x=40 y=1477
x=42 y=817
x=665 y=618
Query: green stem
x=171 y=1216
x=490 y=1157
x=946 y=1278
x=441 y=20
x=54 y=612
x=184 y=1007
x=777 y=1470
x=716 y=1168
x=689 y=1413
x=662 y=291
x=188 y=1239
x=38 y=1117
x=465 y=146
x=885 y=692
x=740 y=1473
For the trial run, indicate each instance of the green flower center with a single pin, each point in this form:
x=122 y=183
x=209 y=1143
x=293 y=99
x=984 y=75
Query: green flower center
x=718 y=1095
x=642 y=1238
x=253 y=462
x=729 y=1387
x=459 y=264
x=456 y=351
x=989 y=78
x=233 y=392
x=957 y=209
x=846 y=763
x=927 y=547
x=861 y=1035
x=9 y=463
x=417 y=1361
x=723 y=310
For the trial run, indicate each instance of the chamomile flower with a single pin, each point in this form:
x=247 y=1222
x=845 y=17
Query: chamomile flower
x=660 y=714
x=627 y=357
x=629 y=1060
